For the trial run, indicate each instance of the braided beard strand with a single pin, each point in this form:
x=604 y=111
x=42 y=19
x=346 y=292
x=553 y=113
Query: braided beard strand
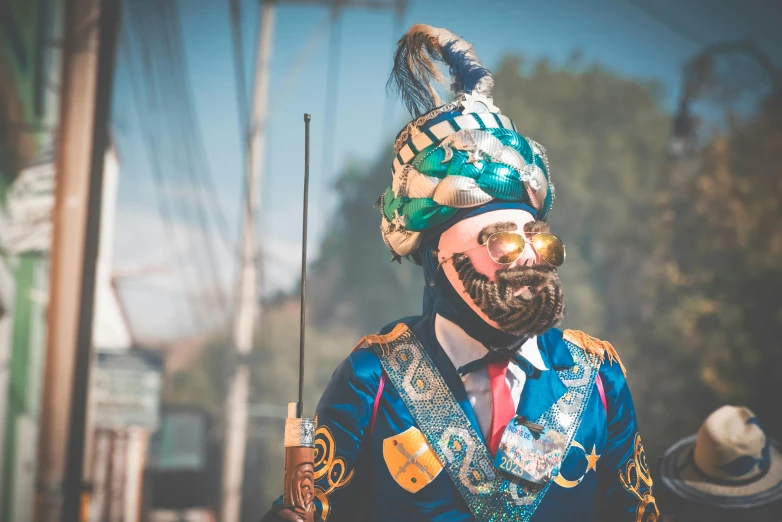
x=531 y=313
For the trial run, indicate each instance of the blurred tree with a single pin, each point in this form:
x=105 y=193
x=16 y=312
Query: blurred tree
x=721 y=290
x=203 y=383
x=606 y=138
x=353 y=281
x=680 y=268
x=274 y=384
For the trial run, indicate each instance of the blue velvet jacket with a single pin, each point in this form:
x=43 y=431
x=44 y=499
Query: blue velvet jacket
x=603 y=477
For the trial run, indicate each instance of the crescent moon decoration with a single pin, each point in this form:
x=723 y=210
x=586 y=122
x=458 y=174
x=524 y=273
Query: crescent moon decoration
x=565 y=483
x=448 y=153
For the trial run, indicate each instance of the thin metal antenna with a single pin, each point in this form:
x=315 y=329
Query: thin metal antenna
x=300 y=406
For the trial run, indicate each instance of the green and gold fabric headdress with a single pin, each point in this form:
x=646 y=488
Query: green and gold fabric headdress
x=457 y=155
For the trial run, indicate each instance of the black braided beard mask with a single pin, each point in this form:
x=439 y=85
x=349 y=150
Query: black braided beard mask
x=538 y=307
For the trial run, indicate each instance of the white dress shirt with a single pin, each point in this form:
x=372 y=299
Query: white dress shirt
x=462 y=349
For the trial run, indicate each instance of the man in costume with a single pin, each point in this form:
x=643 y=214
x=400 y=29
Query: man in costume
x=479 y=409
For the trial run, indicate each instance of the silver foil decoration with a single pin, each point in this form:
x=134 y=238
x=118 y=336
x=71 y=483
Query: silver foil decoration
x=399 y=240
x=460 y=192
x=475 y=102
x=299 y=433
x=399 y=181
x=535 y=182
x=420 y=185
x=510 y=157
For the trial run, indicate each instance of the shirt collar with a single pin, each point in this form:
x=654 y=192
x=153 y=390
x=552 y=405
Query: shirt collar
x=462 y=349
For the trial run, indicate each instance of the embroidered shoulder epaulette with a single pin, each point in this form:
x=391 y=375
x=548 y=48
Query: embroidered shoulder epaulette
x=393 y=335
x=596 y=347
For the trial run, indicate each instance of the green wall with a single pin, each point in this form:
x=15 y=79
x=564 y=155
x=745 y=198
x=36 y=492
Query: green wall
x=26 y=29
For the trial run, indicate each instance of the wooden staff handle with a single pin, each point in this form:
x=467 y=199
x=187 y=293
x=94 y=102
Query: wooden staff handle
x=299 y=483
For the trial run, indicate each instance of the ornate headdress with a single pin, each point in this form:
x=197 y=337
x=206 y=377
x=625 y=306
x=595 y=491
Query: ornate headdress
x=459 y=155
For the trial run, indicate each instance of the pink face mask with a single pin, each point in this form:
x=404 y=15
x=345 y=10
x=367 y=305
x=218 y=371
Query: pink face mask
x=523 y=297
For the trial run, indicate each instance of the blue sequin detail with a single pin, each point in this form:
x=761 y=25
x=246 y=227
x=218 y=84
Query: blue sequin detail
x=491 y=495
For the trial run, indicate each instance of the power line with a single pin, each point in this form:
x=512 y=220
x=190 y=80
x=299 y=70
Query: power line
x=671 y=25
x=164 y=211
x=240 y=77
x=396 y=31
x=161 y=85
x=195 y=160
x=332 y=99
x=168 y=99
x=684 y=32
x=242 y=107
x=298 y=63
x=161 y=33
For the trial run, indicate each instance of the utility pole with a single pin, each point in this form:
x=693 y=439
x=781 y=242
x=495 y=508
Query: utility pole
x=248 y=305
x=85 y=100
x=247 y=285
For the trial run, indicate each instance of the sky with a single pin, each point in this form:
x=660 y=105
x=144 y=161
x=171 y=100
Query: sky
x=644 y=40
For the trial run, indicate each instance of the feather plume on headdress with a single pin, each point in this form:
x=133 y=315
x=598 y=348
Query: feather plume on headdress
x=415 y=69
x=453 y=156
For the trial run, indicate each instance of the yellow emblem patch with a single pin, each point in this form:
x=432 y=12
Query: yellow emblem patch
x=410 y=460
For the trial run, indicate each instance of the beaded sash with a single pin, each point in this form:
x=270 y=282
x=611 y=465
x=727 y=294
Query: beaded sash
x=490 y=494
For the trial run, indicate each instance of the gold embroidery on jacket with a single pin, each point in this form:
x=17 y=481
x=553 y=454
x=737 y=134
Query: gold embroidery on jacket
x=636 y=479
x=382 y=340
x=593 y=346
x=329 y=469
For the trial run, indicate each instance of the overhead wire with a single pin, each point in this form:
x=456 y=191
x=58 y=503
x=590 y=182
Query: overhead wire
x=246 y=119
x=171 y=124
x=390 y=103
x=162 y=205
x=195 y=161
x=300 y=61
x=262 y=255
x=217 y=212
x=671 y=25
x=685 y=33
x=243 y=109
x=192 y=149
x=169 y=118
x=332 y=102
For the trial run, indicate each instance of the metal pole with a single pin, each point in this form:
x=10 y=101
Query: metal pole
x=87 y=72
x=302 y=319
x=109 y=29
x=235 y=440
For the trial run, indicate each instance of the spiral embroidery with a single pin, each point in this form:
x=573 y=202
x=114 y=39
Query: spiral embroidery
x=636 y=479
x=329 y=469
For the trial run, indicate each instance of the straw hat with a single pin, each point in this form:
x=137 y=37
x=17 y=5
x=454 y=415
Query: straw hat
x=730 y=463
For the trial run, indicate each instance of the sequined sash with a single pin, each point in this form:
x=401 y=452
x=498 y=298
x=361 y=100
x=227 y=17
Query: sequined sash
x=492 y=496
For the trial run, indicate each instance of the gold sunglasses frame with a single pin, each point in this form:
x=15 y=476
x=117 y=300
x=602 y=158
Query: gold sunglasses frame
x=526 y=241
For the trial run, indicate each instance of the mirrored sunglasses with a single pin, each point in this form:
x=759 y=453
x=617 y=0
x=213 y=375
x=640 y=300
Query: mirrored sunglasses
x=506 y=247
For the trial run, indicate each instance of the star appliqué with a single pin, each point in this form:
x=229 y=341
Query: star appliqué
x=477 y=103
x=592 y=460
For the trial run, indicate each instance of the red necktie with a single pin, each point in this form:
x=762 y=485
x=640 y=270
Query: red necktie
x=502 y=410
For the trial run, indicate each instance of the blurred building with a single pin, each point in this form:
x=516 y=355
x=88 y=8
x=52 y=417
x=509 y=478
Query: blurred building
x=125 y=386
x=29 y=78
x=28 y=71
